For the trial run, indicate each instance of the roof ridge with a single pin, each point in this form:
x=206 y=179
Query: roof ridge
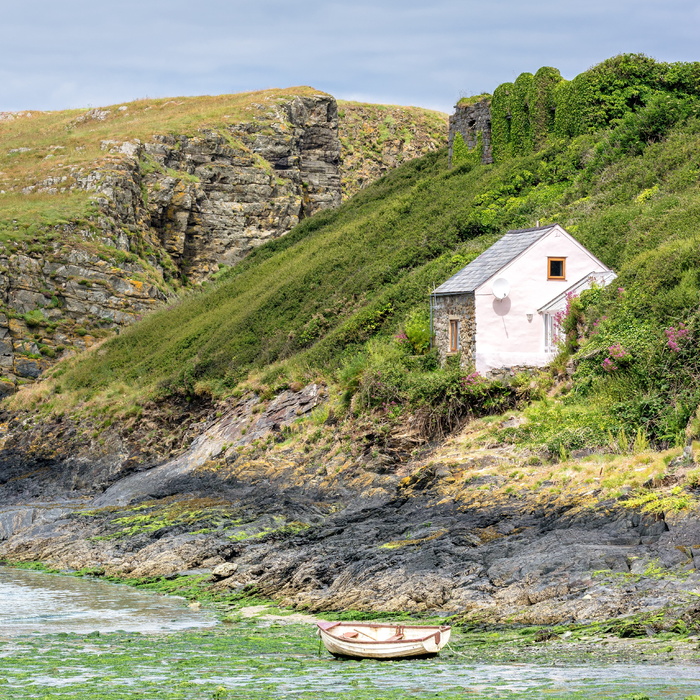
x=492 y=260
x=528 y=230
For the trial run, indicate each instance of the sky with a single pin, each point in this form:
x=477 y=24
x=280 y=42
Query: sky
x=429 y=53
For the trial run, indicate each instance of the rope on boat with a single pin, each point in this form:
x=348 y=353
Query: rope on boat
x=454 y=651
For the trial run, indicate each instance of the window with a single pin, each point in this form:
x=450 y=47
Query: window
x=454 y=335
x=551 y=333
x=556 y=268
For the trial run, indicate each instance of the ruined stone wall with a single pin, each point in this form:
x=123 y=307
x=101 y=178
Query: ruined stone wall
x=473 y=122
x=455 y=306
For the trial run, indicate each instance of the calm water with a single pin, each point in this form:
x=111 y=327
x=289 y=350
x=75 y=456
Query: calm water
x=32 y=602
x=251 y=660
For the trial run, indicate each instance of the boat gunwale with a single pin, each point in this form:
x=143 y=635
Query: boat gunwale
x=325 y=627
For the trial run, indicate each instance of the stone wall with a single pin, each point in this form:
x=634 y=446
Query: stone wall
x=449 y=307
x=472 y=121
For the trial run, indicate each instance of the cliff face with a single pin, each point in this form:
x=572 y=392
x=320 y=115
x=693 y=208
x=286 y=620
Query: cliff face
x=211 y=197
x=64 y=299
x=112 y=210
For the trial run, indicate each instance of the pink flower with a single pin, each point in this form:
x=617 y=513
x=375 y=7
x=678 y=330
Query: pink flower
x=618 y=352
x=608 y=365
x=472 y=378
x=675 y=336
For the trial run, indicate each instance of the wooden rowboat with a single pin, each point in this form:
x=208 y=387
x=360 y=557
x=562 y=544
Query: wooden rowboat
x=369 y=640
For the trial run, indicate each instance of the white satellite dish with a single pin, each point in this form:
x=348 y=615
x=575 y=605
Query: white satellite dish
x=500 y=288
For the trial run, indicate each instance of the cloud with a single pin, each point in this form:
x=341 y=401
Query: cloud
x=69 y=54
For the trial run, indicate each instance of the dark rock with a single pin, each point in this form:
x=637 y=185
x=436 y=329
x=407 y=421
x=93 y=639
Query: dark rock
x=27 y=368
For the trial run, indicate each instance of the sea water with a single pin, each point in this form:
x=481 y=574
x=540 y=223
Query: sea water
x=166 y=650
x=33 y=602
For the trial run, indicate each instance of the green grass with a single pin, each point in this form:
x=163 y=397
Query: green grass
x=72 y=138
x=342 y=283
x=344 y=276
x=33 y=216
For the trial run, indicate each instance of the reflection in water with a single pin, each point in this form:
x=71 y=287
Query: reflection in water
x=34 y=602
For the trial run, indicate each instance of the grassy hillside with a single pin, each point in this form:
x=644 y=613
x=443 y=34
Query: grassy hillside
x=37 y=146
x=344 y=295
x=376 y=138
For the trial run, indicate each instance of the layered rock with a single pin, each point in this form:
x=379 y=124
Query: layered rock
x=151 y=213
x=63 y=299
x=214 y=196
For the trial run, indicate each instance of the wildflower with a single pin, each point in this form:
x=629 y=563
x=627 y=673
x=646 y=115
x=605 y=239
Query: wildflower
x=472 y=378
x=608 y=365
x=618 y=352
x=674 y=336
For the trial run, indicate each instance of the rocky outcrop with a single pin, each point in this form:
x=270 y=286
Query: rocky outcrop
x=212 y=197
x=58 y=299
x=150 y=213
x=333 y=526
x=233 y=191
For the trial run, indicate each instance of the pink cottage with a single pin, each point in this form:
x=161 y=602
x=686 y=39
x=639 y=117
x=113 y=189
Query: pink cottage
x=500 y=310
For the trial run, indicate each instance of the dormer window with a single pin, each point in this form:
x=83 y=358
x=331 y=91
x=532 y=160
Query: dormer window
x=556 y=268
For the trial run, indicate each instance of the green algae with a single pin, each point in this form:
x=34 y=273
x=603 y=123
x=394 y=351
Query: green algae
x=262 y=659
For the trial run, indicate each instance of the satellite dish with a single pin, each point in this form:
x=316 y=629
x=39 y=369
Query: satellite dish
x=500 y=288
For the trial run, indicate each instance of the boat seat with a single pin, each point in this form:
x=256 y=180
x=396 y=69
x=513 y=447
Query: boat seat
x=349 y=635
x=395 y=638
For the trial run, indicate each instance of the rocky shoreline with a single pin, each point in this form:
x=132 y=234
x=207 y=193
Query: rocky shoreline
x=319 y=529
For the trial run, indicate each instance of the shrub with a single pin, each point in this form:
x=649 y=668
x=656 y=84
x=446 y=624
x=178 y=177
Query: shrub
x=417 y=331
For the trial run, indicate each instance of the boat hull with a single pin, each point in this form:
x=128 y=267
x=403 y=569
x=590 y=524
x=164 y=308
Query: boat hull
x=375 y=641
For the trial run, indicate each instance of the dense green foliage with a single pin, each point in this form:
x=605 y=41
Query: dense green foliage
x=331 y=297
x=519 y=108
x=526 y=113
x=501 y=122
x=462 y=154
x=542 y=104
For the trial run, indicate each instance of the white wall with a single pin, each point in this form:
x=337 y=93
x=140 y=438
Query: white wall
x=504 y=336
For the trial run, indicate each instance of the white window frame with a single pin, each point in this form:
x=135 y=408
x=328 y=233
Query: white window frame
x=551 y=332
x=453 y=333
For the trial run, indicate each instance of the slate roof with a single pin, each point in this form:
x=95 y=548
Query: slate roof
x=492 y=260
